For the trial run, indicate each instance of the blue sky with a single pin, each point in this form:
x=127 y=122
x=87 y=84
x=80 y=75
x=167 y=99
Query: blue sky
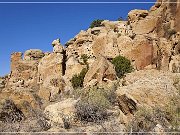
x=35 y=26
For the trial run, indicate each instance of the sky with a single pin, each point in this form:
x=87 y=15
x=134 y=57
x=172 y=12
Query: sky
x=34 y=26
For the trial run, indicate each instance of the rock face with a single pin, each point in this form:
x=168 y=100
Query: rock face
x=100 y=70
x=23 y=72
x=169 y=10
x=50 y=76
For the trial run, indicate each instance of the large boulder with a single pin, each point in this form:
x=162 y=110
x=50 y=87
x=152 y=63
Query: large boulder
x=61 y=111
x=58 y=49
x=101 y=70
x=145 y=26
x=136 y=15
x=140 y=22
x=106 y=45
x=33 y=54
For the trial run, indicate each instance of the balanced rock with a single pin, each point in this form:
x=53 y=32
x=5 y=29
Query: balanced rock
x=56 y=42
x=57 y=47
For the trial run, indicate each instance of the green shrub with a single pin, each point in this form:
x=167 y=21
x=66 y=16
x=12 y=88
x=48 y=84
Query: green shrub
x=122 y=65
x=96 y=23
x=78 y=79
x=93 y=105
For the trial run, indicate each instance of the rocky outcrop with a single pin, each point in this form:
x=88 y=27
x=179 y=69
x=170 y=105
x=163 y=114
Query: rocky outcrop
x=100 y=70
x=23 y=72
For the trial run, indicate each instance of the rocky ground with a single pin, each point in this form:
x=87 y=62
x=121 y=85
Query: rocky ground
x=40 y=94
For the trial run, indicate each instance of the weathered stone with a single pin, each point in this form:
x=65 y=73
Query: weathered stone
x=125 y=44
x=141 y=54
x=136 y=15
x=56 y=42
x=49 y=69
x=73 y=66
x=145 y=26
x=23 y=73
x=58 y=49
x=100 y=70
x=126 y=104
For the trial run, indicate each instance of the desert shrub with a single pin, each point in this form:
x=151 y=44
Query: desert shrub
x=173 y=114
x=171 y=32
x=96 y=23
x=176 y=83
x=85 y=58
x=146 y=119
x=10 y=113
x=122 y=65
x=120 y=19
x=78 y=79
x=93 y=105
